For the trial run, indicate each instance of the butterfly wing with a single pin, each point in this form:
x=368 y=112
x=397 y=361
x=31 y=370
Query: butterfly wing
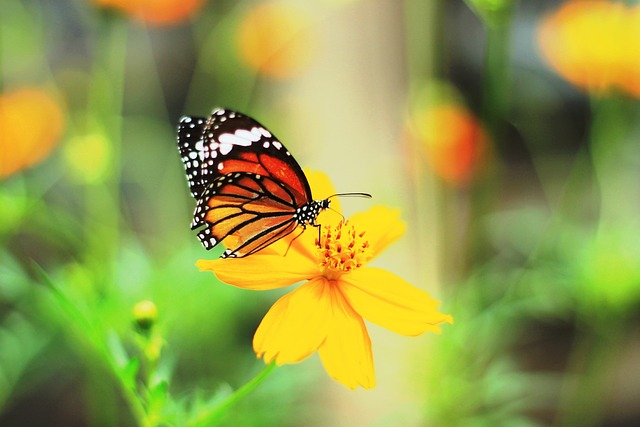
x=237 y=143
x=248 y=212
x=190 y=145
x=237 y=155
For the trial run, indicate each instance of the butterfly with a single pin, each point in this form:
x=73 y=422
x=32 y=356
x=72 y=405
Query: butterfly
x=249 y=190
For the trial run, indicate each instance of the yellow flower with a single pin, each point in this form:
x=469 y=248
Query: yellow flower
x=156 y=12
x=326 y=313
x=594 y=45
x=31 y=123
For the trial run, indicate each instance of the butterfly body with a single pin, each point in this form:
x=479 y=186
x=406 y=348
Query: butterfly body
x=249 y=190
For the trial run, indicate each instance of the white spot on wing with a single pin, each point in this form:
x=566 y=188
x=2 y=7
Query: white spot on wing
x=265 y=133
x=227 y=138
x=248 y=135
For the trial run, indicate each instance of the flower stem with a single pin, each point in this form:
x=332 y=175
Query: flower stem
x=210 y=417
x=497 y=20
x=496 y=15
x=613 y=152
x=105 y=115
x=496 y=79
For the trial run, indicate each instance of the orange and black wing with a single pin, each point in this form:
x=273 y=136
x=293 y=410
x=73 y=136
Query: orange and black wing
x=247 y=212
x=230 y=152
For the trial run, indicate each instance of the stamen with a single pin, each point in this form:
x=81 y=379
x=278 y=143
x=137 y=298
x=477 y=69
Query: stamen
x=340 y=251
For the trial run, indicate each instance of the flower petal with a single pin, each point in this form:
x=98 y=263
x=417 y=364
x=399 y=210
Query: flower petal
x=322 y=187
x=262 y=271
x=389 y=301
x=382 y=225
x=346 y=352
x=295 y=325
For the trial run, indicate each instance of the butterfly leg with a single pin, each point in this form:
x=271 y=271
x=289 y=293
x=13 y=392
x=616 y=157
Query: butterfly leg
x=293 y=240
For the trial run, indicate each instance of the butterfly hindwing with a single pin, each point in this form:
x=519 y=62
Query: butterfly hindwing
x=248 y=211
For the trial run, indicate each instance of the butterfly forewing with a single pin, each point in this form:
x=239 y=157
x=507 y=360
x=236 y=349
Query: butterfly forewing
x=191 y=145
x=234 y=142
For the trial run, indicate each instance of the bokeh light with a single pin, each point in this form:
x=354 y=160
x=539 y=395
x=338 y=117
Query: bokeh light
x=155 y=12
x=31 y=124
x=453 y=141
x=594 y=45
x=276 y=39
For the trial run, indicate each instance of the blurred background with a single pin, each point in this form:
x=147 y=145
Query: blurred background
x=505 y=131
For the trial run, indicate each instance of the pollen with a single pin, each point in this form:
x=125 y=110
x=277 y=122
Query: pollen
x=342 y=249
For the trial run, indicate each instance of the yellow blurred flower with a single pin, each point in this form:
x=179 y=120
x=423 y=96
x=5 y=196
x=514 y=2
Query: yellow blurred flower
x=31 y=123
x=325 y=314
x=594 y=45
x=155 y=12
x=88 y=158
x=453 y=141
x=275 y=39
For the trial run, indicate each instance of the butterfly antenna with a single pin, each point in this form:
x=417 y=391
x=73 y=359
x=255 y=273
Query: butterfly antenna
x=365 y=195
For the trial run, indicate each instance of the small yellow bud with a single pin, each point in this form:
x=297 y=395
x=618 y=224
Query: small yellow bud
x=145 y=314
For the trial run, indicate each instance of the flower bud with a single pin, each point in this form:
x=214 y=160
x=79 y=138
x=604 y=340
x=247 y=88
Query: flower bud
x=145 y=314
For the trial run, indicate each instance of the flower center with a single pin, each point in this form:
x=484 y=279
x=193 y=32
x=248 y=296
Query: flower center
x=341 y=249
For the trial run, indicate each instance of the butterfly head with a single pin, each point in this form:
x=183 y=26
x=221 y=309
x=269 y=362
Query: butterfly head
x=308 y=213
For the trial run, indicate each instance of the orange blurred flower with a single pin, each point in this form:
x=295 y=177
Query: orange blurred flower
x=594 y=45
x=274 y=39
x=453 y=140
x=156 y=12
x=31 y=123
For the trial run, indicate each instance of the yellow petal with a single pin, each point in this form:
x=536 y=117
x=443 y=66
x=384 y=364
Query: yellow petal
x=300 y=243
x=262 y=272
x=321 y=186
x=382 y=226
x=389 y=301
x=346 y=352
x=295 y=325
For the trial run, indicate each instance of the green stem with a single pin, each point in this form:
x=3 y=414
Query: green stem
x=105 y=119
x=422 y=31
x=495 y=112
x=102 y=210
x=216 y=413
x=93 y=341
x=496 y=15
x=613 y=154
x=497 y=79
